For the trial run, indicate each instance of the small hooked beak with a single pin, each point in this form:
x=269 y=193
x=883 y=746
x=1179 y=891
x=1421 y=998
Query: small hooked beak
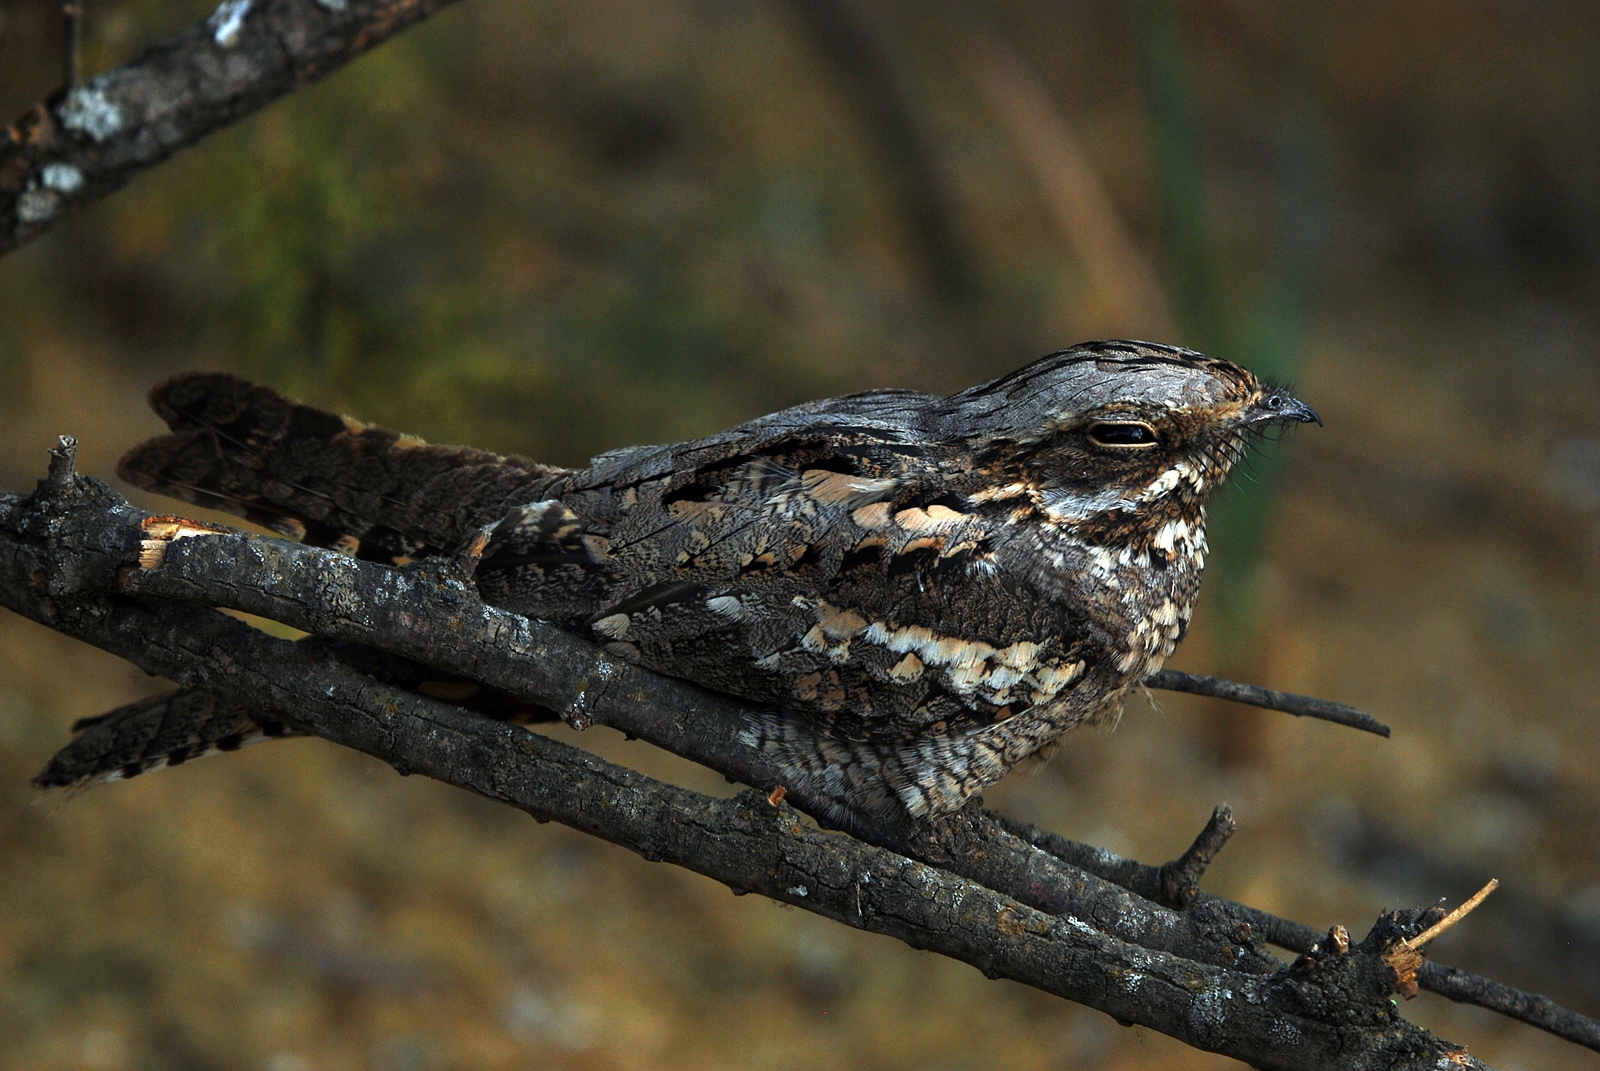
x=1281 y=407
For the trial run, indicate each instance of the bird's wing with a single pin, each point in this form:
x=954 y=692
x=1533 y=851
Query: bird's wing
x=818 y=560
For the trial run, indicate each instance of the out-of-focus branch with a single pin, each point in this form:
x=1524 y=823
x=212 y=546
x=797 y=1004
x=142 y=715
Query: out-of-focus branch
x=64 y=548
x=72 y=46
x=1128 y=296
x=863 y=71
x=94 y=136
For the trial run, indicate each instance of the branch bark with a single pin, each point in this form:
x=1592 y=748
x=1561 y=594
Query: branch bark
x=65 y=549
x=1301 y=706
x=427 y=614
x=92 y=137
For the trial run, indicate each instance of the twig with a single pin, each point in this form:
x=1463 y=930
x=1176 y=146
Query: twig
x=1453 y=917
x=1301 y=706
x=1463 y=987
x=1544 y=935
x=86 y=142
x=63 y=464
x=1180 y=879
x=1404 y=956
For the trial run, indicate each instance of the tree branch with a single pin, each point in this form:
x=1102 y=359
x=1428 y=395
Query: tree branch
x=64 y=548
x=1463 y=987
x=427 y=613
x=92 y=137
x=1301 y=706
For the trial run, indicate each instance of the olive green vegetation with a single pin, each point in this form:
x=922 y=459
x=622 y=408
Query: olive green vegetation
x=559 y=228
x=1264 y=329
x=664 y=227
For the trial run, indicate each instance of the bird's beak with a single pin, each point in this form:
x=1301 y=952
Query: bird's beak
x=1280 y=407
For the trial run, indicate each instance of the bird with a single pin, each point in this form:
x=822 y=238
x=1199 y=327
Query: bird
x=912 y=592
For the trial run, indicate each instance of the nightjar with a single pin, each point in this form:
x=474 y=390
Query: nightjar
x=914 y=592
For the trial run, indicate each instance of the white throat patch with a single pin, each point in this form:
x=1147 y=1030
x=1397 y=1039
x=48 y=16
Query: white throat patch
x=1068 y=507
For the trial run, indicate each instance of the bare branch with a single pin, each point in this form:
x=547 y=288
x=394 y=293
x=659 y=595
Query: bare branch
x=1404 y=956
x=1463 y=987
x=1453 y=917
x=428 y=613
x=433 y=617
x=436 y=619
x=62 y=549
x=1301 y=706
x=88 y=140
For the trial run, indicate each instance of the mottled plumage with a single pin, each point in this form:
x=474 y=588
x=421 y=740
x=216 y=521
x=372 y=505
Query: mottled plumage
x=918 y=590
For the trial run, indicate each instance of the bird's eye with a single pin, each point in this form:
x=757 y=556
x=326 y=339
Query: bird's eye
x=1125 y=434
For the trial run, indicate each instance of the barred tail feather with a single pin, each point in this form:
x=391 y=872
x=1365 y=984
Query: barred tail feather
x=154 y=733
x=328 y=480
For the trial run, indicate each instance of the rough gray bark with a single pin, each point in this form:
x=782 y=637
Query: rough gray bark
x=1463 y=987
x=89 y=139
x=68 y=548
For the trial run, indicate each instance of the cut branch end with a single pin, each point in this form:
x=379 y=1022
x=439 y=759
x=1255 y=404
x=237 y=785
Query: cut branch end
x=63 y=464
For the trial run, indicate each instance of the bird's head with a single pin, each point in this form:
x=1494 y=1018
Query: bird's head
x=1116 y=432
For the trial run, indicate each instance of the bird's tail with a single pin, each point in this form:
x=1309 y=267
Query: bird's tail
x=321 y=478
x=165 y=730
x=172 y=728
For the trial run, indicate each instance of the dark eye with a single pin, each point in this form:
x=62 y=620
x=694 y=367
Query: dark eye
x=1122 y=433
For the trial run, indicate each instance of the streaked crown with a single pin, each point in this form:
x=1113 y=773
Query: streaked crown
x=1116 y=426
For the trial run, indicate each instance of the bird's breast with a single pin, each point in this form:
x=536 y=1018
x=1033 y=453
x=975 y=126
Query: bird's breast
x=1136 y=593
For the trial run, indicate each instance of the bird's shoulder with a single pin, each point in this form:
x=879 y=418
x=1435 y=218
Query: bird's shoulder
x=824 y=558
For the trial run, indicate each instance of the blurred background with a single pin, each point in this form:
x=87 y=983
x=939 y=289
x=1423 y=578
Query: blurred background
x=556 y=228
